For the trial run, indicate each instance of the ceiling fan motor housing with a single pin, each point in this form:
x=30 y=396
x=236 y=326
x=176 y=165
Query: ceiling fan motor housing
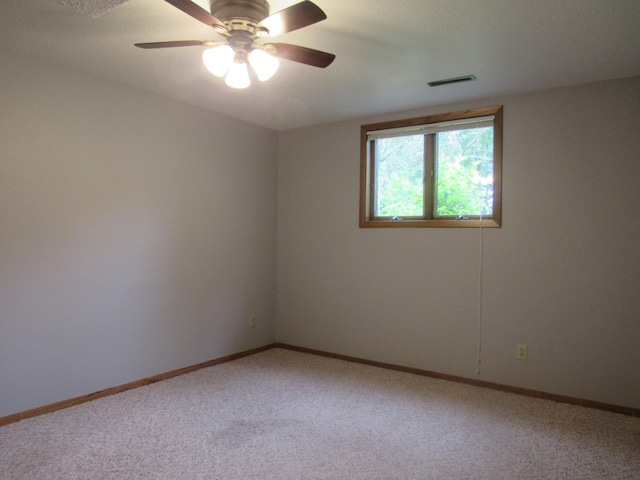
x=228 y=10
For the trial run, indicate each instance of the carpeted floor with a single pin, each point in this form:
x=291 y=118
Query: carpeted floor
x=287 y=415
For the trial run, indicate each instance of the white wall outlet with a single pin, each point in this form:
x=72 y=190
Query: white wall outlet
x=521 y=352
x=252 y=321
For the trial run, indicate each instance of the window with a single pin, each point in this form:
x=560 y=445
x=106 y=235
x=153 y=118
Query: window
x=438 y=171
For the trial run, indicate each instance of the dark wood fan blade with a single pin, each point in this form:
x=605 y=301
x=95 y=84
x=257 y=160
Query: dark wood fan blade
x=292 y=18
x=179 y=43
x=305 y=55
x=196 y=11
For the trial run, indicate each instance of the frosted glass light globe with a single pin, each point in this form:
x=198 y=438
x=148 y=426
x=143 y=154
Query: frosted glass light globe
x=238 y=75
x=264 y=64
x=218 y=59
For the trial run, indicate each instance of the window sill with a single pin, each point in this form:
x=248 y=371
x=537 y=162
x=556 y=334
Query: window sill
x=439 y=223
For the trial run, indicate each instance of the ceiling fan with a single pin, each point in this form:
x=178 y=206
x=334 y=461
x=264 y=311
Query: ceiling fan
x=241 y=23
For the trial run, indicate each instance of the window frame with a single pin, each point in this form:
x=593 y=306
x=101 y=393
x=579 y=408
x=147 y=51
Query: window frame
x=367 y=188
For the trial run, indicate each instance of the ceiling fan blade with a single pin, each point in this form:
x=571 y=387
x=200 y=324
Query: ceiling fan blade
x=305 y=55
x=197 y=12
x=292 y=18
x=178 y=43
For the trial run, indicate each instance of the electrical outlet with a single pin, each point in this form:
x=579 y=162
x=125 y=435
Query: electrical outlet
x=252 y=321
x=521 y=352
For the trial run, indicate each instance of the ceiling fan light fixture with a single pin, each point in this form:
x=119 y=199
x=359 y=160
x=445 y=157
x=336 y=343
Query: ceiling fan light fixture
x=238 y=74
x=241 y=22
x=218 y=59
x=264 y=64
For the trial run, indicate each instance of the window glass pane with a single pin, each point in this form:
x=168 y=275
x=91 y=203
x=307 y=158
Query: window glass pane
x=399 y=176
x=464 y=166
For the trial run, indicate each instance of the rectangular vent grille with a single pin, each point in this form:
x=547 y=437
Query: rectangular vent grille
x=448 y=81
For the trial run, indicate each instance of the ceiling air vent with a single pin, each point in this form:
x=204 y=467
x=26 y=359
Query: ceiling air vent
x=448 y=81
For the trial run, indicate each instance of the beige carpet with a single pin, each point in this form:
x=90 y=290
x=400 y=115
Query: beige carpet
x=287 y=415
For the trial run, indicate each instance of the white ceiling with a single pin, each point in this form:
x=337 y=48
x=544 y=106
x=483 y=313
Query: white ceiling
x=387 y=51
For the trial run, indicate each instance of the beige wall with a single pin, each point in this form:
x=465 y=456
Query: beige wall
x=137 y=234
x=562 y=275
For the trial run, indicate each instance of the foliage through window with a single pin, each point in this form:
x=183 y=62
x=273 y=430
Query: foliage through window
x=437 y=171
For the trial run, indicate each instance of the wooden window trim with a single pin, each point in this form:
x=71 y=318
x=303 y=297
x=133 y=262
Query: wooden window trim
x=367 y=178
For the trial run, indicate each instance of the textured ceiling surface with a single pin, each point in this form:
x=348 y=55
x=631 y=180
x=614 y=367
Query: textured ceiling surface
x=386 y=52
x=93 y=8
